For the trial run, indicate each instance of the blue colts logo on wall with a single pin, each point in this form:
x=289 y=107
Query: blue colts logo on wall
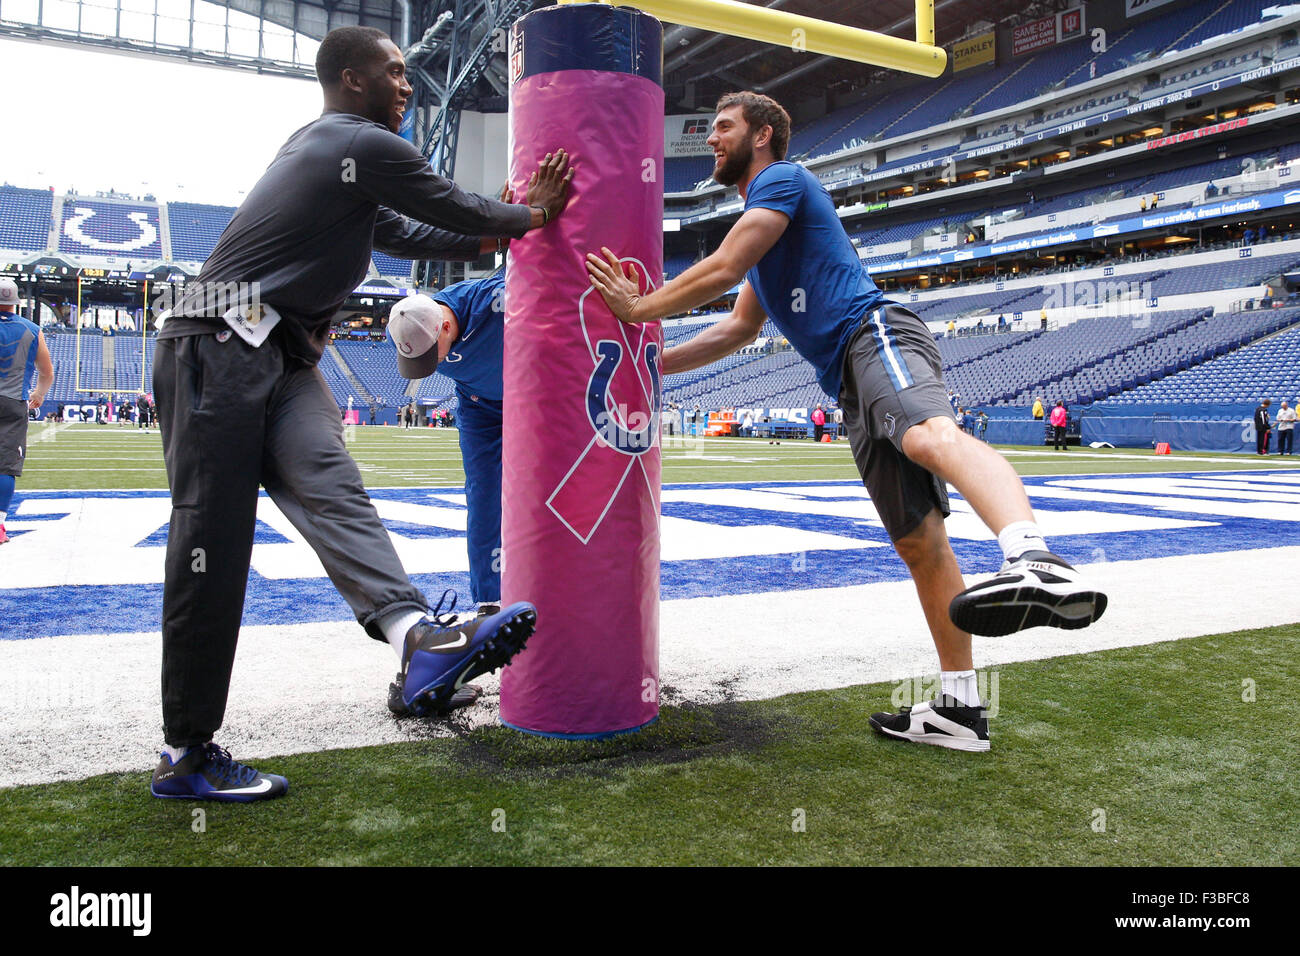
x=623 y=436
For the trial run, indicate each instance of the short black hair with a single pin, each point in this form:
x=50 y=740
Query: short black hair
x=346 y=48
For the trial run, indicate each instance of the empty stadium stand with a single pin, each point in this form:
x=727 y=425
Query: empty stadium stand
x=25 y=218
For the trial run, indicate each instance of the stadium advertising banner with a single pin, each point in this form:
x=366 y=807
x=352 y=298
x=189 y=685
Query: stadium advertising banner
x=975 y=51
x=1136 y=8
x=1081 y=233
x=1038 y=34
x=1198 y=133
x=686 y=135
x=1033 y=35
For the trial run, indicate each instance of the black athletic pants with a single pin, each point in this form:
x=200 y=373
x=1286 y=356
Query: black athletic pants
x=234 y=417
x=1058 y=437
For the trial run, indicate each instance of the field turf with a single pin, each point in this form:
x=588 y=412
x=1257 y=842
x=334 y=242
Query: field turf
x=1148 y=755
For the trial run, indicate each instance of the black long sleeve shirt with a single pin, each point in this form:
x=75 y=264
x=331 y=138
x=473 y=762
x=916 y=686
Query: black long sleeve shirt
x=338 y=188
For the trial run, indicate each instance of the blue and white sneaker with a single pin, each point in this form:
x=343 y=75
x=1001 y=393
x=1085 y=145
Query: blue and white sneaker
x=209 y=773
x=442 y=653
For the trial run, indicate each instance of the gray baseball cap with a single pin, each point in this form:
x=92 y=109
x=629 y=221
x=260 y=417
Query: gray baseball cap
x=8 y=292
x=413 y=325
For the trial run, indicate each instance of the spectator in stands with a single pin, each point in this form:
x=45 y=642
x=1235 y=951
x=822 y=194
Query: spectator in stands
x=1286 y=419
x=952 y=328
x=1037 y=411
x=881 y=362
x=25 y=352
x=1263 y=425
x=1144 y=204
x=242 y=402
x=819 y=423
x=1060 y=418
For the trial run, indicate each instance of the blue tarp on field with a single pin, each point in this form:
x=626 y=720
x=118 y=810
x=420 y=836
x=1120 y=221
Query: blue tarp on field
x=1185 y=427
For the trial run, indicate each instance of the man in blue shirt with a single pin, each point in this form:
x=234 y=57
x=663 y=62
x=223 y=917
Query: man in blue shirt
x=880 y=362
x=22 y=351
x=460 y=332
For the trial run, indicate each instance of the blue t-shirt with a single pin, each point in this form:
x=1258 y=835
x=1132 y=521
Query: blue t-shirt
x=18 y=343
x=474 y=359
x=811 y=283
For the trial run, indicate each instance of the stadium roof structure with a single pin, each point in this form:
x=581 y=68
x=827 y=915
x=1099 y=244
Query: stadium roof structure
x=698 y=65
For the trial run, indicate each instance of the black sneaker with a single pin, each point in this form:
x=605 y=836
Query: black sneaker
x=443 y=654
x=1037 y=589
x=209 y=773
x=943 y=722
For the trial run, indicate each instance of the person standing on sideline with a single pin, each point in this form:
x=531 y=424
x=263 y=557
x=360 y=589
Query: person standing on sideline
x=1286 y=419
x=819 y=423
x=881 y=363
x=1060 y=418
x=1037 y=410
x=1263 y=425
x=242 y=402
x=22 y=352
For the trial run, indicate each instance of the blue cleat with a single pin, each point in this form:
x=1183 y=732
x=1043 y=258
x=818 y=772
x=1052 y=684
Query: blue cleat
x=442 y=654
x=209 y=773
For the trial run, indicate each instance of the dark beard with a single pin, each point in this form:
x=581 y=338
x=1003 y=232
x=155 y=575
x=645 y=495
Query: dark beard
x=733 y=170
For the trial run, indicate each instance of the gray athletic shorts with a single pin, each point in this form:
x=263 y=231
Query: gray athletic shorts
x=893 y=380
x=13 y=435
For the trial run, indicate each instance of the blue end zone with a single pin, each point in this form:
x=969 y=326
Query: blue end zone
x=133 y=603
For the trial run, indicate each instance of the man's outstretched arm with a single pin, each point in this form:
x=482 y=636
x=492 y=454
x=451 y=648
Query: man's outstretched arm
x=747 y=242
x=740 y=327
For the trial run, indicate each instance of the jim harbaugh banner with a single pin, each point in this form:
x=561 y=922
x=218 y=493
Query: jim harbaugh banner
x=975 y=51
x=687 y=135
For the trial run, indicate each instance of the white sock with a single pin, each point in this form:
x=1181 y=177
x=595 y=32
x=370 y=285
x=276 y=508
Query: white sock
x=1019 y=537
x=176 y=753
x=395 y=624
x=961 y=685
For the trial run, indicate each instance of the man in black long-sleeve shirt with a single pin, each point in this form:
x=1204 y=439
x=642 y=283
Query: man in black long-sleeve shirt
x=241 y=403
x=1263 y=425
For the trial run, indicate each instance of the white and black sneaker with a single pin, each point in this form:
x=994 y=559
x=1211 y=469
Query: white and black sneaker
x=1036 y=589
x=943 y=722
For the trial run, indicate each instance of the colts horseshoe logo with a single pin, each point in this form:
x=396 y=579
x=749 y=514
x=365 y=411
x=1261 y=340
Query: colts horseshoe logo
x=621 y=431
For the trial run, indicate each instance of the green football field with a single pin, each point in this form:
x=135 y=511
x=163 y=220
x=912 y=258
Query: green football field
x=80 y=456
x=1167 y=753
